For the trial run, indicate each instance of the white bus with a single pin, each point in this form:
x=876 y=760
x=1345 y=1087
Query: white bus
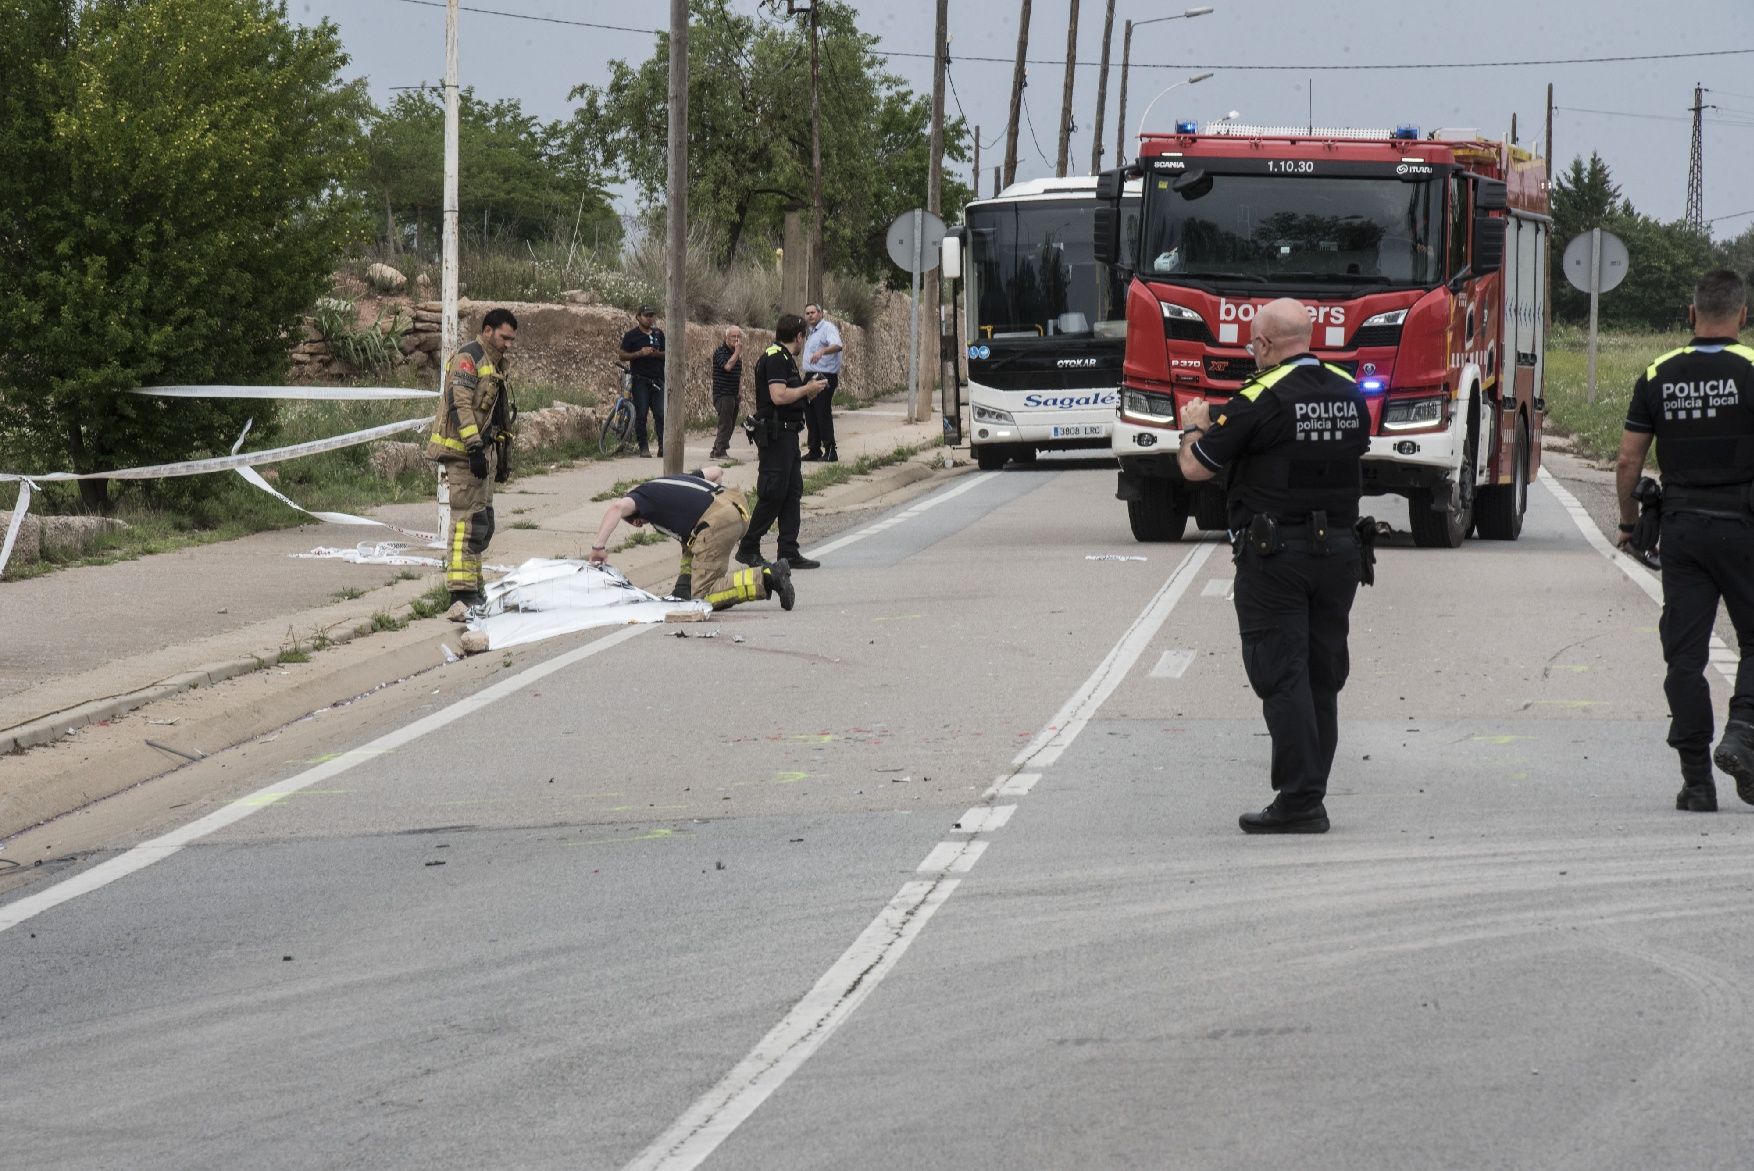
x=1046 y=325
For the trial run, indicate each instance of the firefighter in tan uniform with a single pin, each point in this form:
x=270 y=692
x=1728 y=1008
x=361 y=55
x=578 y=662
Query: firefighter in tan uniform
x=471 y=441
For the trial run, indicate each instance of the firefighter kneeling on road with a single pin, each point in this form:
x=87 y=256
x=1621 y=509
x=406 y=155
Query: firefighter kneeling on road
x=709 y=519
x=471 y=441
x=1293 y=439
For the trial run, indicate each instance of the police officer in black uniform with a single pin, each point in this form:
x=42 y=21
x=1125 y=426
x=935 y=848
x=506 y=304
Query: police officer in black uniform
x=1699 y=402
x=780 y=397
x=1291 y=440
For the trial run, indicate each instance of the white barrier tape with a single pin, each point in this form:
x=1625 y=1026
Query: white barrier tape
x=199 y=467
x=335 y=518
x=326 y=393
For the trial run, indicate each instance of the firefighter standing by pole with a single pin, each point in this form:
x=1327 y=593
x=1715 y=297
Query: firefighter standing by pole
x=471 y=441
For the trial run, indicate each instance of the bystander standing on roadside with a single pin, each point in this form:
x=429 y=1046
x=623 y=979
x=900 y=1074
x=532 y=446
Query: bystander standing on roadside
x=469 y=441
x=642 y=348
x=822 y=355
x=727 y=389
x=1697 y=404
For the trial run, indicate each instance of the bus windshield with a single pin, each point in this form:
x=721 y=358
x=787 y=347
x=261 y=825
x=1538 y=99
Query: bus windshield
x=1267 y=229
x=1033 y=271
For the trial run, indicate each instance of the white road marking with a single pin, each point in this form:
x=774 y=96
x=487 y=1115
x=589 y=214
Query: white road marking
x=716 y=1115
x=1174 y=663
x=1724 y=657
x=1218 y=587
x=953 y=857
x=925 y=505
x=160 y=848
x=983 y=819
x=1018 y=785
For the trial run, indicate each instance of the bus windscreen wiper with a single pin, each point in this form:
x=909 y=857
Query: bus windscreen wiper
x=1215 y=276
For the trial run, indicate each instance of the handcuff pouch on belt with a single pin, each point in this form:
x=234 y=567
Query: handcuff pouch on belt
x=1647 y=530
x=759 y=430
x=1365 y=529
x=1263 y=535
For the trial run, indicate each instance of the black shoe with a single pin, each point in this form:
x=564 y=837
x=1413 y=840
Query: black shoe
x=1274 y=820
x=779 y=583
x=812 y=457
x=645 y=453
x=753 y=560
x=833 y=457
x=799 y=561
x=1697 y=798
x=684 y=587
x=718 y=455
x=1735 y=755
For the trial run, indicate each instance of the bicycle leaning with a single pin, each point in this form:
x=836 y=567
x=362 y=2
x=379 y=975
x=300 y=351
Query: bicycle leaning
x=617 y=429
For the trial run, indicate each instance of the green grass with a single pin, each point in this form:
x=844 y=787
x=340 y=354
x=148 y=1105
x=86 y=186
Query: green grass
x=620 y=489
x=431 y=604
x=1595 y=428
x=347 y=594
x=641 y=537
x=828 y=475
x=383 y=620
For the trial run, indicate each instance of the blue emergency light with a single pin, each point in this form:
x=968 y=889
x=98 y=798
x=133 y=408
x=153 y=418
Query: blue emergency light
x=1371 y=386
x=1406 y=131
x=1187 y=127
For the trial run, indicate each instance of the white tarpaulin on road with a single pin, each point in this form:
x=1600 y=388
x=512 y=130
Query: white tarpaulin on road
x=542 y=598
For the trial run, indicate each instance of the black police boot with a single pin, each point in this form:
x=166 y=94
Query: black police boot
x=751 y=557
x=1735 y=755
x=1276 y=820
x=1698 y=787
x=831 y=456
x=799 y=561
x=684 y=587
x=779 y=583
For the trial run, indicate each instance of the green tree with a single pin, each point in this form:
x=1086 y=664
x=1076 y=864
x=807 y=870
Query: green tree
x=170 y=211
x=1584 y=197
x=519 y=178
x=1738 y=254
x=749 y=132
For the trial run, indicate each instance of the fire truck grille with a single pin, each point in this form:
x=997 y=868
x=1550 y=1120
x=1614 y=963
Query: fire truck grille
x=1377 y=335
x=1239 y=369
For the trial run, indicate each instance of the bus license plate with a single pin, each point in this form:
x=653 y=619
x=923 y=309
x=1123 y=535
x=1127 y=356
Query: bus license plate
x=1079 y=431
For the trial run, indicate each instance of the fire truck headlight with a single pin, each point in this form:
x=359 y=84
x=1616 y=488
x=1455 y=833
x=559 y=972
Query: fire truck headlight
x=1392 y=317
x=989 y=415
x=1409 y=414
x=1178 y=312
x=1144 y=404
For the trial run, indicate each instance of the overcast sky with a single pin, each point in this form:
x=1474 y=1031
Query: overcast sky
x=1635 y=113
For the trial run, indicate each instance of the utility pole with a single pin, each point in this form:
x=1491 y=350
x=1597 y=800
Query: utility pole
x=1547 y=265
x=977 y=162
x=1108 y=34
x=929 y=357
x=1064 y=158
x=448 y=338
x=676 y=253
x=1121 y=106
x=813 y=272
x=1017 y=84
x=1695 y=217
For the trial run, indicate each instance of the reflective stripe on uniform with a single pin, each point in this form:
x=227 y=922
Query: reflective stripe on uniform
x=746 y=586
x=444 y=441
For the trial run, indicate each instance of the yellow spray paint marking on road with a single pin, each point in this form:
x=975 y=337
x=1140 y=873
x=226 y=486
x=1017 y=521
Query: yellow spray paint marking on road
x=656 y=835
x=790 y=778
x=652 y=808
x=275 y=798
x=815 y=738
x=1519 y=776
x=897 y=617
x=1500 y=739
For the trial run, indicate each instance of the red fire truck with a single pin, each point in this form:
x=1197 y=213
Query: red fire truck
x=1423 y=262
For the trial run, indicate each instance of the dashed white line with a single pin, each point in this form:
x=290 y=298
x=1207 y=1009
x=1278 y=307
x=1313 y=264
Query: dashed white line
x=925 y=505
x=1218 y=587
x=983 y=819
x=1173 y=664
x=953 y=857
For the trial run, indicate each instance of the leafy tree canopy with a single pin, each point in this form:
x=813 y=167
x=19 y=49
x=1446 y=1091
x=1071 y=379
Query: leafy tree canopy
x=749 y=132
x=519 y=178
x=168 y=211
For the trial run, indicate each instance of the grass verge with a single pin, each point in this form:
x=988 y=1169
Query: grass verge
x=1595 y=427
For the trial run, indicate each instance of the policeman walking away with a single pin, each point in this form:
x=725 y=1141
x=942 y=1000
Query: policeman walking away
x=1292 y=441
x=781 y=398
x=471 y=441
x=1697 y=402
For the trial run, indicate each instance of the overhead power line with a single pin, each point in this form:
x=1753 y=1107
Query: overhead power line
x=1649 y=117
x=1301 y=68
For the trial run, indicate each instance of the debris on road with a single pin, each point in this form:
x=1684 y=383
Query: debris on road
x=1114 y=557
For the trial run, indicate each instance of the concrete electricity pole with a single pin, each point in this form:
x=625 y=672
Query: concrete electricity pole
x=676 y=257
x=813 y=272
x=448 y=339
x=929 y=355
x=1108 y=35
x=1064 y=158
x=977 y=162
x=1017 y=82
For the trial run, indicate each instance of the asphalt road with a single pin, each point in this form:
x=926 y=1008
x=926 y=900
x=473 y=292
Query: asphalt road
x=939 y=870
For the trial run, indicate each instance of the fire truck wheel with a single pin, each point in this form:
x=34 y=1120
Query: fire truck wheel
x=1447 y=528
x=1160 y=514
x=1211 y=510
x=1500 y=507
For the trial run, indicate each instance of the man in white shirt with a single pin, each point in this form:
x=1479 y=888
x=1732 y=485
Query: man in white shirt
x=822 y=354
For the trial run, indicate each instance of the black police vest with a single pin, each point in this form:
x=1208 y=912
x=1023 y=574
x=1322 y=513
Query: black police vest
x=1313 y=459
x=1701 y=399
x=777 y=365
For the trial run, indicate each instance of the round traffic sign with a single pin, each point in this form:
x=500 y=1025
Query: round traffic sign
x=901 y=244
x=1576 y=262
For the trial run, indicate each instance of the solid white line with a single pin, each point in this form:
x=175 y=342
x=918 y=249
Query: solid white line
x=716 y=1115
x=1173 y=664
x=925 y=505
x=953 y=857
x=1724 y=657
x=712 y=1119
x=1058 y=735
x=160 y=848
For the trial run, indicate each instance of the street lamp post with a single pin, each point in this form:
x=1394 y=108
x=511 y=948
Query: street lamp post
x=1196 y=79
x=1126 y=63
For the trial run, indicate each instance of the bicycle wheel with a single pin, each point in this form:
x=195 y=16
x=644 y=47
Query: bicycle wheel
x=616 y=428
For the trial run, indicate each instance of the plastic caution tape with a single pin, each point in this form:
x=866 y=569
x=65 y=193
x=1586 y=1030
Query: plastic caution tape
x=326 y=393
x=201 y=467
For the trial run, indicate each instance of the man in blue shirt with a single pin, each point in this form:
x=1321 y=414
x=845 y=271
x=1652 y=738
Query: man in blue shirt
x=822 y=353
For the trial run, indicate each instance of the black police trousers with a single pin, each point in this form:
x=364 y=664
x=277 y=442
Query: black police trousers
x=779 y=480
x=1293 y=610
x=1704 y=558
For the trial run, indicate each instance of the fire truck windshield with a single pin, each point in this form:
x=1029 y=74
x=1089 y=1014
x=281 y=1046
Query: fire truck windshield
x=1033 y=271
x=1307 y=230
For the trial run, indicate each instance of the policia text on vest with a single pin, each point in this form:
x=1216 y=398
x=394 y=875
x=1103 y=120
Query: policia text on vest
x=471 y=437
x=780 y=397
x=1697 y=404
x=1291 y=442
